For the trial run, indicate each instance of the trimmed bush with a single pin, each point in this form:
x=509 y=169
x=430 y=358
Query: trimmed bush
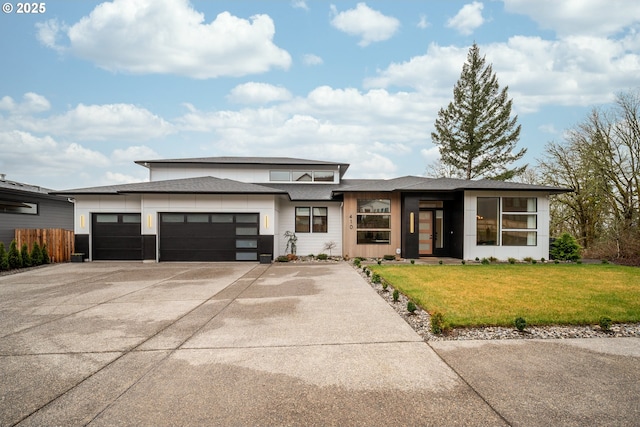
x=385 y=285
x=565 y=248
x=375 y=278
x=26 y=256
x=282 y=258
x=396 y=295
x=605 y=324
x=520 y=323
x=389 y=257
x=438 y=325
x=511 y=260
x=322 y=257
x=411 y=307
x=45 y=254
x=36 y=254
x=4 y=261
x=15 y=260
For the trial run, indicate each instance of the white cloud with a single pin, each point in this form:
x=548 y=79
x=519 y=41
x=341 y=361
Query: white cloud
x=423 y=23
x=311 y=59
x=574 y=71
x=32 y=103
x=586 y=17
x=105 y=122
x=129 y=154
x=299 y=4
x=468 y=18
x=368 y=24
x=46 y=156
x=115 y=178
x=169 y=37
x=258 y=93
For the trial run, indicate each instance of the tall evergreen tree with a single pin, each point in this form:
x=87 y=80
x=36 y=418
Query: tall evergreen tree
x=476 y=134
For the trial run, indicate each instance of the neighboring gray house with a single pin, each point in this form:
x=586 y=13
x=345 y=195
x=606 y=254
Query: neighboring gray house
x=30 y=206
x=239 y=208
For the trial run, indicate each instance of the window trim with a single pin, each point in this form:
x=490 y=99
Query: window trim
x=16 y=204
x=311 y=226
x=531 y=212
x=361 y=211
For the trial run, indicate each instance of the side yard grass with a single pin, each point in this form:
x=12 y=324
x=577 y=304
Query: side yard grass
x=543 y=294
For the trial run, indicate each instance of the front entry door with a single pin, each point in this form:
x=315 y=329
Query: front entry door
x=425 y=230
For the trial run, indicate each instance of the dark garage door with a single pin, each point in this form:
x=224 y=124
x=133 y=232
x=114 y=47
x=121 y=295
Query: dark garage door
x=116 y=236
x=209 y=236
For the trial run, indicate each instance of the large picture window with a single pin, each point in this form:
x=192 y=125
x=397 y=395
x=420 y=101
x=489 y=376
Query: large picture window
x=373 y=221
x=513 y=219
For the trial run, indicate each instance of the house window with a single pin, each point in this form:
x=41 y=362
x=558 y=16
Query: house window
x=514 y=219
x=279 y=176
x=13 y=207
x=306 y=216
x=487 y=221
x=323 y=176
x=320 y=220
x=519 y=221
x=303 y=220
x=373 y=221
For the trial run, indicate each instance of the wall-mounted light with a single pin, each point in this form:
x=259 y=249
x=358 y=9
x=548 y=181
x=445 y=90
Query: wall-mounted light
x=81 y=221
x=266 y=221
x=412 y=227
x=149 y=223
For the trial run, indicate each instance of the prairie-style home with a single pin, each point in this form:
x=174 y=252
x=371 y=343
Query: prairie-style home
x=239 y=208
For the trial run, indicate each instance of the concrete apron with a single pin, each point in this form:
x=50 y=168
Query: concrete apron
x=217 y=344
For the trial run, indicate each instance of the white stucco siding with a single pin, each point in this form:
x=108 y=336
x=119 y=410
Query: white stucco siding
x=473 y=250
x=310 y=243
x=85 y=206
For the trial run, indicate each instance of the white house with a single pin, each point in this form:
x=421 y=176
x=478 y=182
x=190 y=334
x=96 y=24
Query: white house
x=239 y=208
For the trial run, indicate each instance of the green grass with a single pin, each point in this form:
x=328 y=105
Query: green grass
x=543 y=294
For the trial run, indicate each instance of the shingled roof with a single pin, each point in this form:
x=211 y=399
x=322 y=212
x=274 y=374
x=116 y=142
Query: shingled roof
x=200 y=185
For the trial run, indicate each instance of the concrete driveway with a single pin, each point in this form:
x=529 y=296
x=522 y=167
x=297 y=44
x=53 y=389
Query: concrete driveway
x=247 y=344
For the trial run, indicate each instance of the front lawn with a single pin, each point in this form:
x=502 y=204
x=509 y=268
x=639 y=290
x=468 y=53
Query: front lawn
x=543 y=294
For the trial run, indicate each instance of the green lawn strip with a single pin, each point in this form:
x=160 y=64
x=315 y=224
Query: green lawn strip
x=543 y=294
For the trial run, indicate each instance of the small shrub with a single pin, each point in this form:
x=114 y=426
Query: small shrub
x=484 y=261
x=511 y=260
x=367 y=272
x=389 y=257
x=464 y=262
x=605 y=324
x=438 y=325
x=565 y=248
x=555 y=261
x=477 y=259
x=357 y=262
x=604 y=261
x=493 y=259
x=26 y=256
x=527 y=259
x=45 y=254
x=533 y=261
x=4 y=261
x=520 y=323
x=379 y=261
x=292 y=257
x=375 y=278
x=440 y=262
x=14 y=258
x=282 y=258
x=385 y=285
x=322 y=257
x=396 y=295
x=542 y=259
x=411 y=307
x=36 y=254
x=413 y=261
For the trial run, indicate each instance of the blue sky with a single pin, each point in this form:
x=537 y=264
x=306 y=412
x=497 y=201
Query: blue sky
x=87 y=87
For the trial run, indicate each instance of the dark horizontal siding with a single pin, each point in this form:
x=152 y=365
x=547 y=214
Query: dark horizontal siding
x=51 y=214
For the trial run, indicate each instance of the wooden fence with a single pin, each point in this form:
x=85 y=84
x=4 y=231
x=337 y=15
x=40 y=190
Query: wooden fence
x=59 y=242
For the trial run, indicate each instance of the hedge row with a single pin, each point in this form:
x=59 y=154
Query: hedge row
x=22 y=258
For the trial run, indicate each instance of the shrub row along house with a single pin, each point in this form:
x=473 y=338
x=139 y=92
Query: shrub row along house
x=239 y=208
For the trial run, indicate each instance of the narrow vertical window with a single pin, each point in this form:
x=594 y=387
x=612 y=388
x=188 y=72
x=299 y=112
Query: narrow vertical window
x=303 y=220
x=319 y=220
x=487 y=221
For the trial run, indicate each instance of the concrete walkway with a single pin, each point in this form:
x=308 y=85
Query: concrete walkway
x=194 y=344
